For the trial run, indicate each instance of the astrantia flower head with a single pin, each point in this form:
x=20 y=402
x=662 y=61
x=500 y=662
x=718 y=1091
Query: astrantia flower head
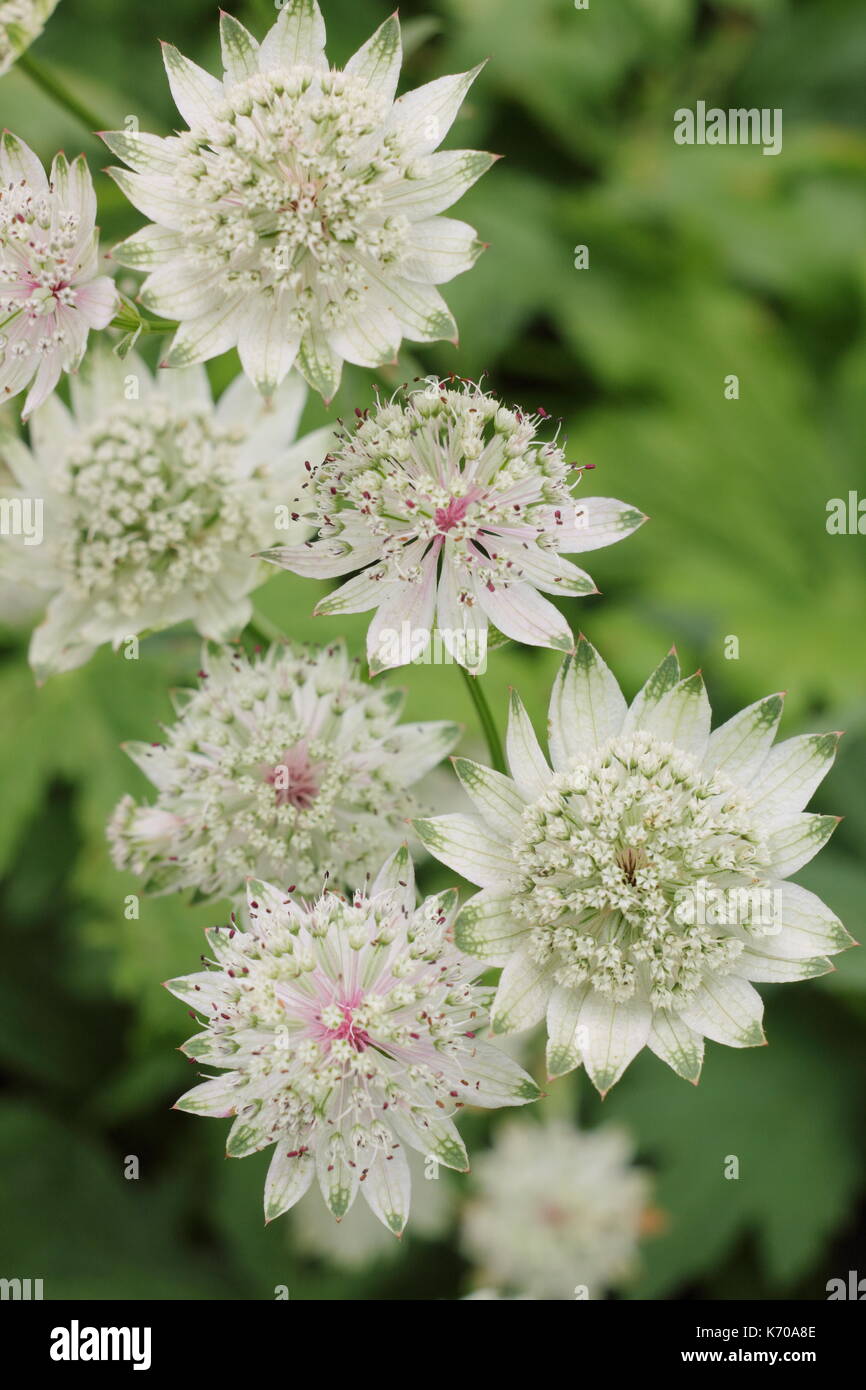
x=285 y=767
x=21 y=21
x=556 y=1210
x=51 y=292
x=634 y=891
x=153 y=502
x=297 y=217
x=458 y=515
x=347 y=1029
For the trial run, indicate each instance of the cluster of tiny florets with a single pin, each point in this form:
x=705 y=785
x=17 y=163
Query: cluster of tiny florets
x=156 y=503
x=38 y=262
x=605 y=858
x=280 y=199
x=281 y=767
x=347 y=1029
x=447 y=463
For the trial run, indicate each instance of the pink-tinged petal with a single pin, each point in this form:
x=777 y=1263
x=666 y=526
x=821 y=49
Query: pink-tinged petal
x=323 y=559
x=543 y=569
x=44 y=382
x=17 y=162
x=522 y=614
x=97 y=302
x=590 y=524
x=460 y=620
x=401 y=629
x=74 y=188
x=291 y=1171
x=358 y=595
x=387 y=1188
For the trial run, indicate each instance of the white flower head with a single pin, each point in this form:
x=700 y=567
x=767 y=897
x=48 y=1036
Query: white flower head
x=635 y=891
x=556 y=1210
x=346 y=1030
x=153 y=502
x=284 y=766
x=457 y=514
x=51 y=292
x=298 y=216
x=21 y=21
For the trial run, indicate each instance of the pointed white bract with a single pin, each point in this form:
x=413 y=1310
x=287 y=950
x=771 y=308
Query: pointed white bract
x=557 y=1213
x=152 y=503
x=21 y=21
x=298 y=217
x=359 y=1238
x=634 y=890
x=457 y=515
x=346 y=1031
x=285 y=766
x=51 y=291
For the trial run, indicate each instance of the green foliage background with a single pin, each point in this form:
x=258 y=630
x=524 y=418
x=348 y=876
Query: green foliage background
x=703 y=262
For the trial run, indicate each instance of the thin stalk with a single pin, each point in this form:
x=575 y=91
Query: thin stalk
x=262 y=628
x=485 y=718
x=53 y=87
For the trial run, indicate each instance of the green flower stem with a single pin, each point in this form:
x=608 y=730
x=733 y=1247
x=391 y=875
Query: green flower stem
x=485 y=718
x=151 y=325
x=46 y=80
x=129 y=318
x=266 y=631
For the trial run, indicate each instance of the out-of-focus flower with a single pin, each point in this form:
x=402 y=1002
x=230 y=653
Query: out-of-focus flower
x=152 y=502
x=51 y=292
x=298 y=216
x=556 y=1213
x=286 y=767
x=457 y=516
x=635 y=891
x=21 y=21
x=345 y=1030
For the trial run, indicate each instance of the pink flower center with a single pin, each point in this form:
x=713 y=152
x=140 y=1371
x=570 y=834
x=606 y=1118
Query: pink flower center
x=348 y=1029
x=295 y=780
x=447 y=517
